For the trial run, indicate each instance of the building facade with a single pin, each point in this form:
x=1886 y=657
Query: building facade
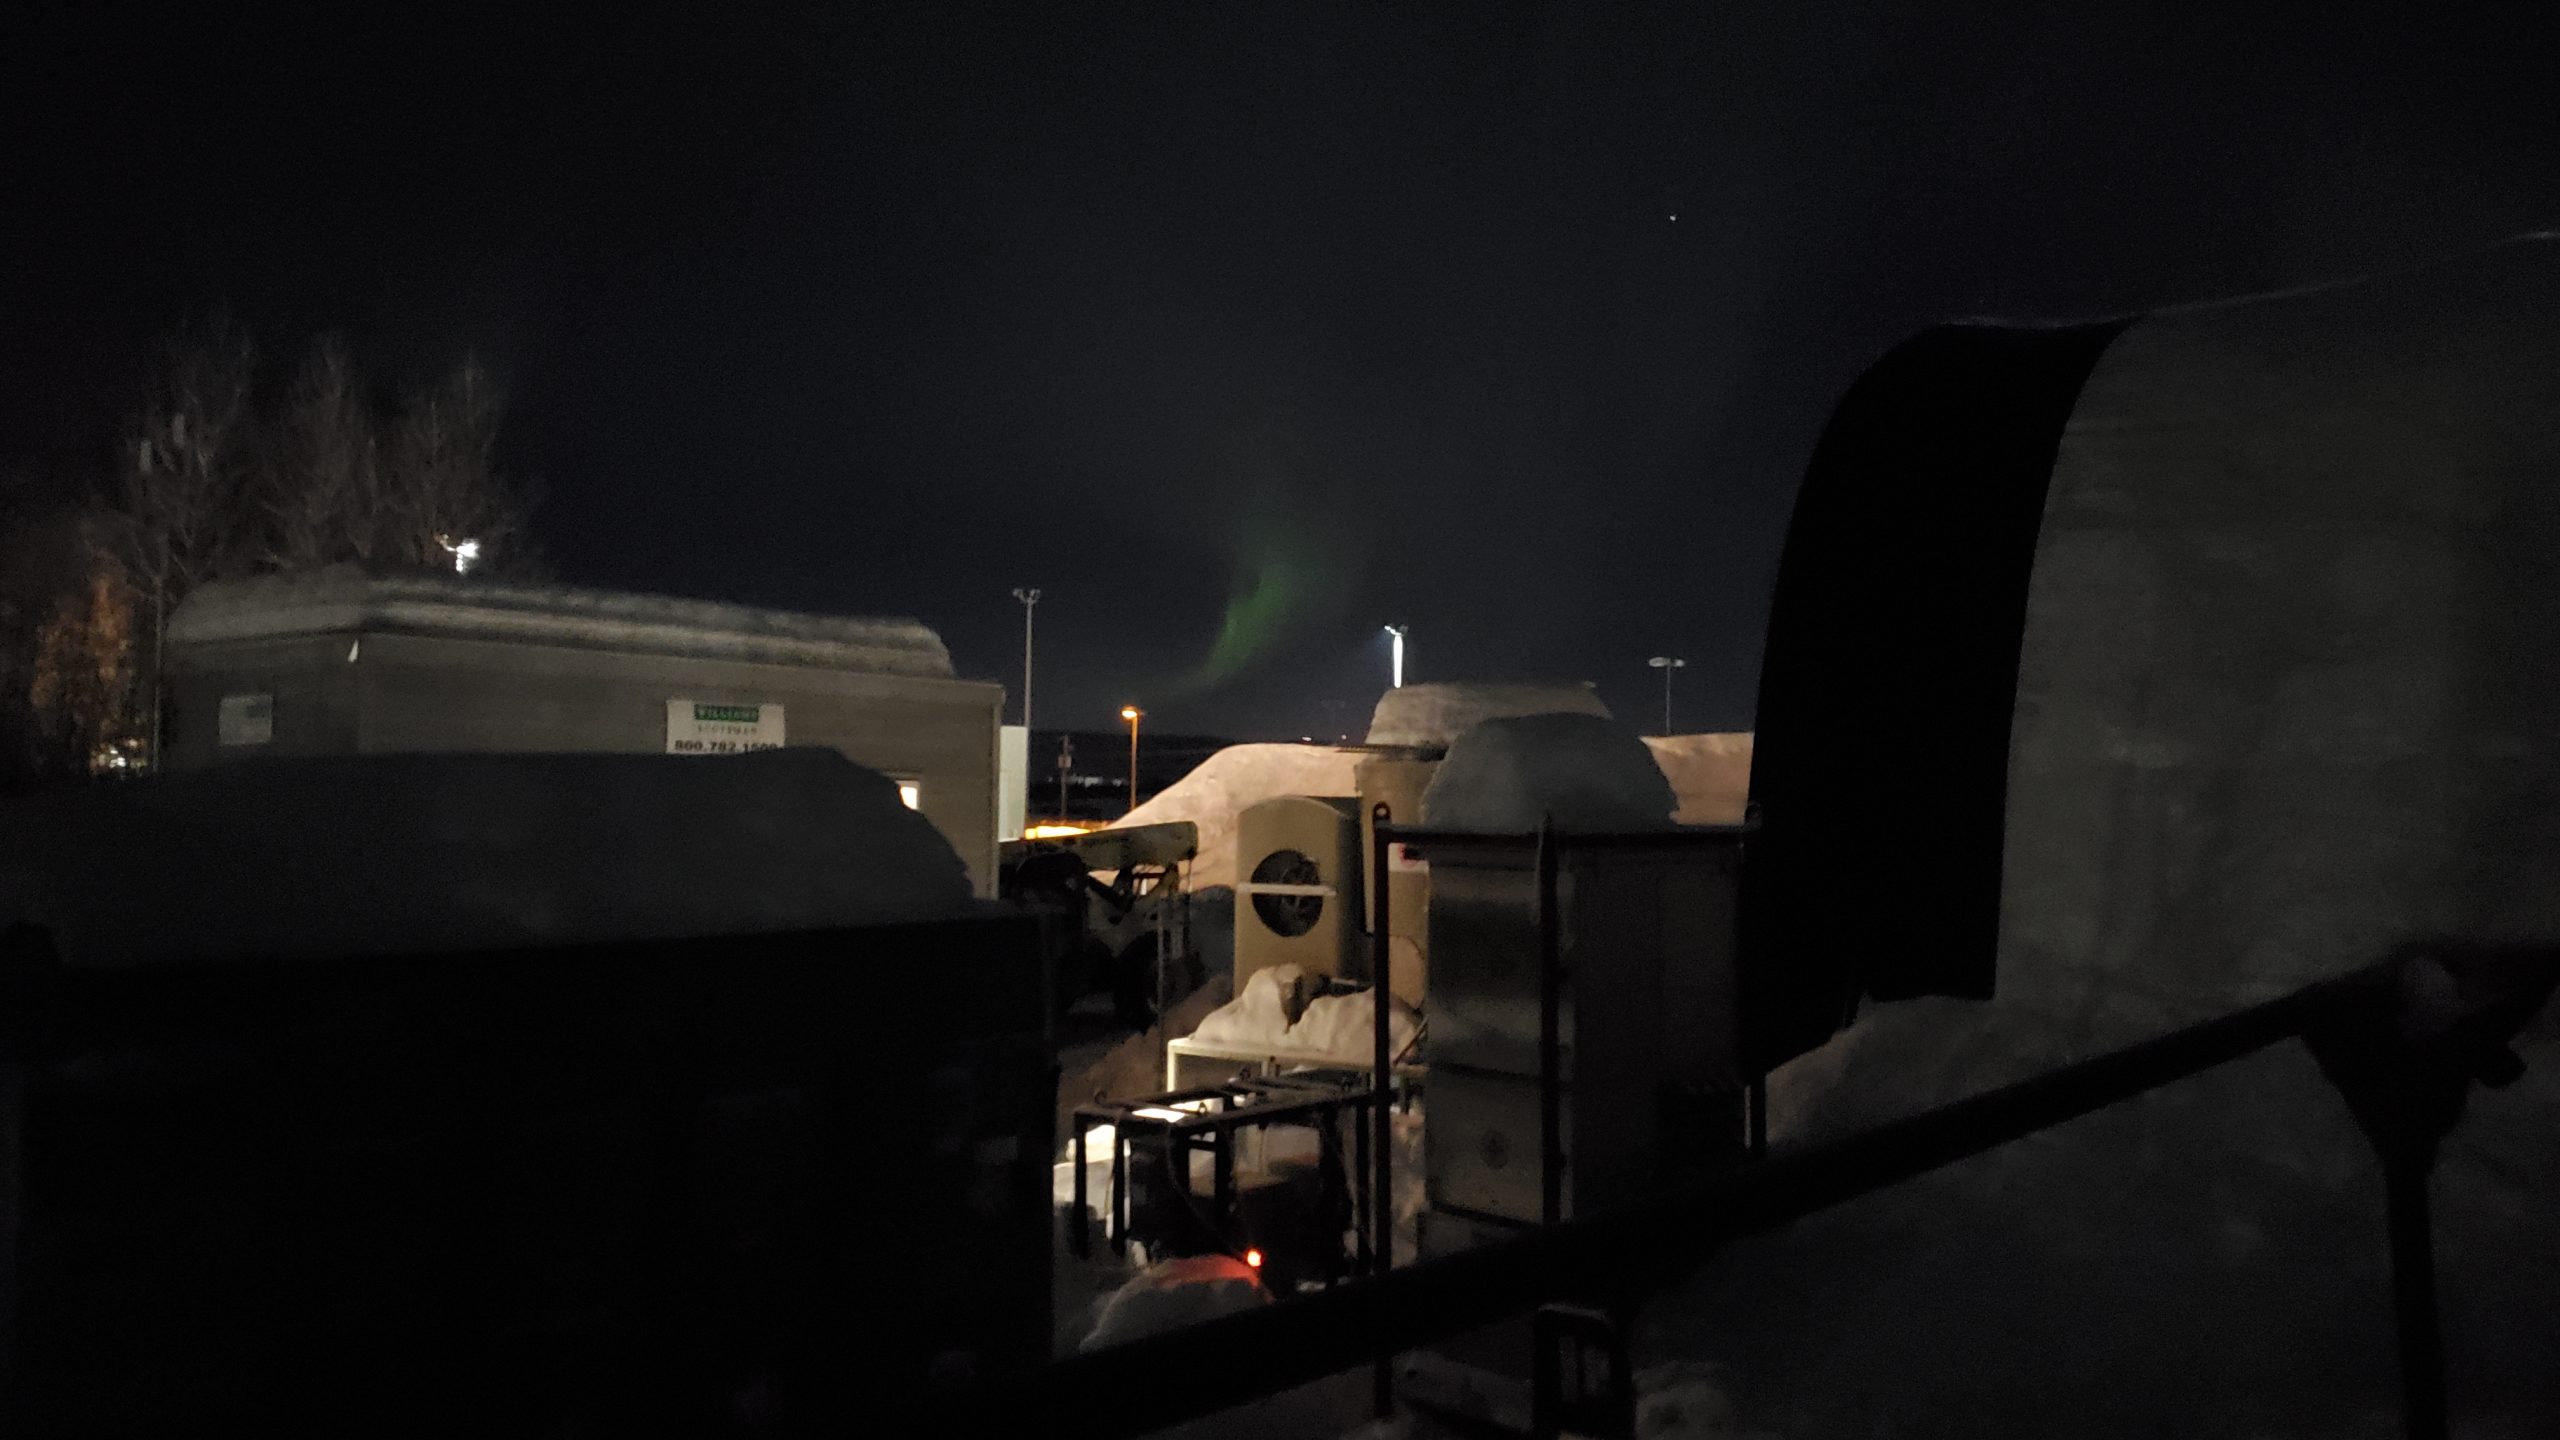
x=342 y=662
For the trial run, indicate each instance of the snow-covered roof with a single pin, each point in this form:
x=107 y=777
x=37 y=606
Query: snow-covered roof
x=1585 y=772
x=344 y=598
x=1430 y=716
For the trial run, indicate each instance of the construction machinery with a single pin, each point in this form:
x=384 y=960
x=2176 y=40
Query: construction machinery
x=1116 y=917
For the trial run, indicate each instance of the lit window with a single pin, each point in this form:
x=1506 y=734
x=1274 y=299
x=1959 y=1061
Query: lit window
x=910 y=794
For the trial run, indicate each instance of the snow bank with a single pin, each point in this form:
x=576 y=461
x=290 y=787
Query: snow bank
x=1588 y=772
x=1261 y=1015
x=1344 y=1028
x=1432 y=717
x=1710 y=773
x=409 y=854
x=1135 y=1065
x=1225 y=784
x=1174 y=1293
x=1341 y=1028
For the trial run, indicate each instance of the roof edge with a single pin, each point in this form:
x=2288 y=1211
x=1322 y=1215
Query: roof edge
x=343 y=598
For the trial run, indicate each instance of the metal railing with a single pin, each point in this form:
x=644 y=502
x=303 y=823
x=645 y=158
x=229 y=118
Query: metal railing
x=2404 y=1067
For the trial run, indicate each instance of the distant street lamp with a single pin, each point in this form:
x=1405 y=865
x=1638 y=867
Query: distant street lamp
x=1396 y=673
x=465 y=553
x=1666 y=664
x=1028 y=598
x=1131 y=713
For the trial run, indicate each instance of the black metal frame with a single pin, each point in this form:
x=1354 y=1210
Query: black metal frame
x=1245 y=1103
x=2404 y=1075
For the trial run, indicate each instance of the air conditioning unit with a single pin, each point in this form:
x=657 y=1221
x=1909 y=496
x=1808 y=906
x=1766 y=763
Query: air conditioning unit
x=1298 y=890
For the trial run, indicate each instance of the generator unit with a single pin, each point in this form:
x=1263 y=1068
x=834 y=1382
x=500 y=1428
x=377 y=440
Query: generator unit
x=1299 y=893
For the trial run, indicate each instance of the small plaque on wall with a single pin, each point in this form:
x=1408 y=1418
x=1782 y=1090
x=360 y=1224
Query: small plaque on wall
x=248 y=719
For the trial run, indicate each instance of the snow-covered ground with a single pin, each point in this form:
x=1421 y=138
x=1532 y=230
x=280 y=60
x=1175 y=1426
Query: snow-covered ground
x=2207 y=1260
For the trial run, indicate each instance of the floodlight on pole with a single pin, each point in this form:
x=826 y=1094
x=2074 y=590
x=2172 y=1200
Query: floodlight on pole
x=1666 y=664
x=1028 y=598
x=1395 y=671
x=1132 y=713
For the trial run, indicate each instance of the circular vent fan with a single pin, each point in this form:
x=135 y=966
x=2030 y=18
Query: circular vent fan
x=1288 y=915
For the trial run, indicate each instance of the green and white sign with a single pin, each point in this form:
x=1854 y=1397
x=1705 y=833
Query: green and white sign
x=694 y=728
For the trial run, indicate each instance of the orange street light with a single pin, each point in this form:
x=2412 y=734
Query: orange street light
x=1131 y=713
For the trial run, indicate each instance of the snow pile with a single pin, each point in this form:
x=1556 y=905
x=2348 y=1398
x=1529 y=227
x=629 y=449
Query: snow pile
x=1710 y=773
x=1098 y=1141
x=1688 y=1402
x=416 y=854
x=1272 y=1013
x=1261 y=1015
x=1174 y=1293
x=1133 y=1066
x=1432 y=717
x=1344 y=1028
x=1240 y=776
x=1586 y=772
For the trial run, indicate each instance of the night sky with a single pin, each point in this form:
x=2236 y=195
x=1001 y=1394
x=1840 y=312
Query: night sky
x=1238 y=329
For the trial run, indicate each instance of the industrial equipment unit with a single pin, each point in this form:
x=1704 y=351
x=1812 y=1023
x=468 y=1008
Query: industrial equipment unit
x=1628 y=942
x=1298 y=896
x=1128 y=935
x=1397 y=780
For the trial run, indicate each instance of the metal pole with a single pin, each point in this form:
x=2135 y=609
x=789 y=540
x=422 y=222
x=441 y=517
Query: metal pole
x=1028 y=598
x=1381 y=1094
x=1131 y=713
x=159 y=633
x=1666 y=664
x=2413 y=1294
x=1550 y=1034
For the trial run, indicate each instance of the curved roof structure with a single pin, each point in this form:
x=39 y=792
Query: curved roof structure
x=2119 y=676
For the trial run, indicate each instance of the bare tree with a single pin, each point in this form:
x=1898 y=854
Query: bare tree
x=441 y=485
x=212 y=484
x=46 y=553
x=83 y=700
x=183 y=487
x=181 y=508
x=319 y=486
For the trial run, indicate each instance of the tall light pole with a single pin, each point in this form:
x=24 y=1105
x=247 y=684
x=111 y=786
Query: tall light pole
x=1131 y=713
x=1028 y=598
x=1666 y=664
x=1396 y=666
